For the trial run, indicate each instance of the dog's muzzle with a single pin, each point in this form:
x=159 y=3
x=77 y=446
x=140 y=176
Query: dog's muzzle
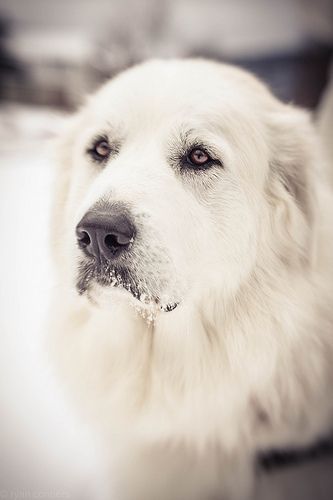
x=105 y=235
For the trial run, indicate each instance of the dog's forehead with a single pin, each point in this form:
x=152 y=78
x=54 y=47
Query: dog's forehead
x=166 y=90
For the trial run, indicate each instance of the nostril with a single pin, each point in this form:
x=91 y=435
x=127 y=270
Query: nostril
x=83 y=239
x=113 y=241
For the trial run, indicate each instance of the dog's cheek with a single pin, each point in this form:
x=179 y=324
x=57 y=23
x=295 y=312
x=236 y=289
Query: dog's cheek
x=64 y=180
x=235 y=239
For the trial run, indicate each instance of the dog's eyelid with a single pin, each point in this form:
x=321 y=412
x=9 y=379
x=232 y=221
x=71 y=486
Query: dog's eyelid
x=112 y=147
x=213 y=157
x=185 y=143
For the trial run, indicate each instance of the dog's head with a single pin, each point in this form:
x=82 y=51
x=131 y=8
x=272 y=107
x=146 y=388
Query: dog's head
x=177 y=177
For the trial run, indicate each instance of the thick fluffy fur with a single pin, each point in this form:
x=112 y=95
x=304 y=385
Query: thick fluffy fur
x=186 y=398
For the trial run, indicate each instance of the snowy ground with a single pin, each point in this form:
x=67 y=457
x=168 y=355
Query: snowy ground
x=43 y=447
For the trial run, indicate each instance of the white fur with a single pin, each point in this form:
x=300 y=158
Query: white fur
x=185 y=399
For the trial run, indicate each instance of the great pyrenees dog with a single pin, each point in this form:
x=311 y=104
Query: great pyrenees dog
x=193 y=322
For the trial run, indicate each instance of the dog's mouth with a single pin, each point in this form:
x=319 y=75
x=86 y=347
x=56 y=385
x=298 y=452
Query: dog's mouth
x=170 y=307
x=123 y=279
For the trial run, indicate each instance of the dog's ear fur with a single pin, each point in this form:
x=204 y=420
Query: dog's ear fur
x=62 y=160
x=293 y=167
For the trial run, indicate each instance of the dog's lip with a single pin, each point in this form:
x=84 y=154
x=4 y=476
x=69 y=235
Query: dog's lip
x=164 y=307
x=145 y=299
x=169 y=307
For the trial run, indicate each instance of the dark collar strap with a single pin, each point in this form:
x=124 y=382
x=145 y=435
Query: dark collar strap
x=274 y=459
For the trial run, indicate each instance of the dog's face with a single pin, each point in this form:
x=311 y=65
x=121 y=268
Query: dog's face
x=165 y=184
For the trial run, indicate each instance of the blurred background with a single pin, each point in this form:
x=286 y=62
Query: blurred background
x=52 y=53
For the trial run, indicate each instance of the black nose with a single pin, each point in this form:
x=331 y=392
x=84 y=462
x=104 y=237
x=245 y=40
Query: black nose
x=105 y=234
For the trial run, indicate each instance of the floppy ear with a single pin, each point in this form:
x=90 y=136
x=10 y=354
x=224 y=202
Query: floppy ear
x=292 y=181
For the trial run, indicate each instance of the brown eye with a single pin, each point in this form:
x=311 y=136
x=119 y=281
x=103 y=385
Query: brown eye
x=100 y=150
x=198 y=157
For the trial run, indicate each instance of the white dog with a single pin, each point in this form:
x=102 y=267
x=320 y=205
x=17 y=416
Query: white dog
x=194 y=322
